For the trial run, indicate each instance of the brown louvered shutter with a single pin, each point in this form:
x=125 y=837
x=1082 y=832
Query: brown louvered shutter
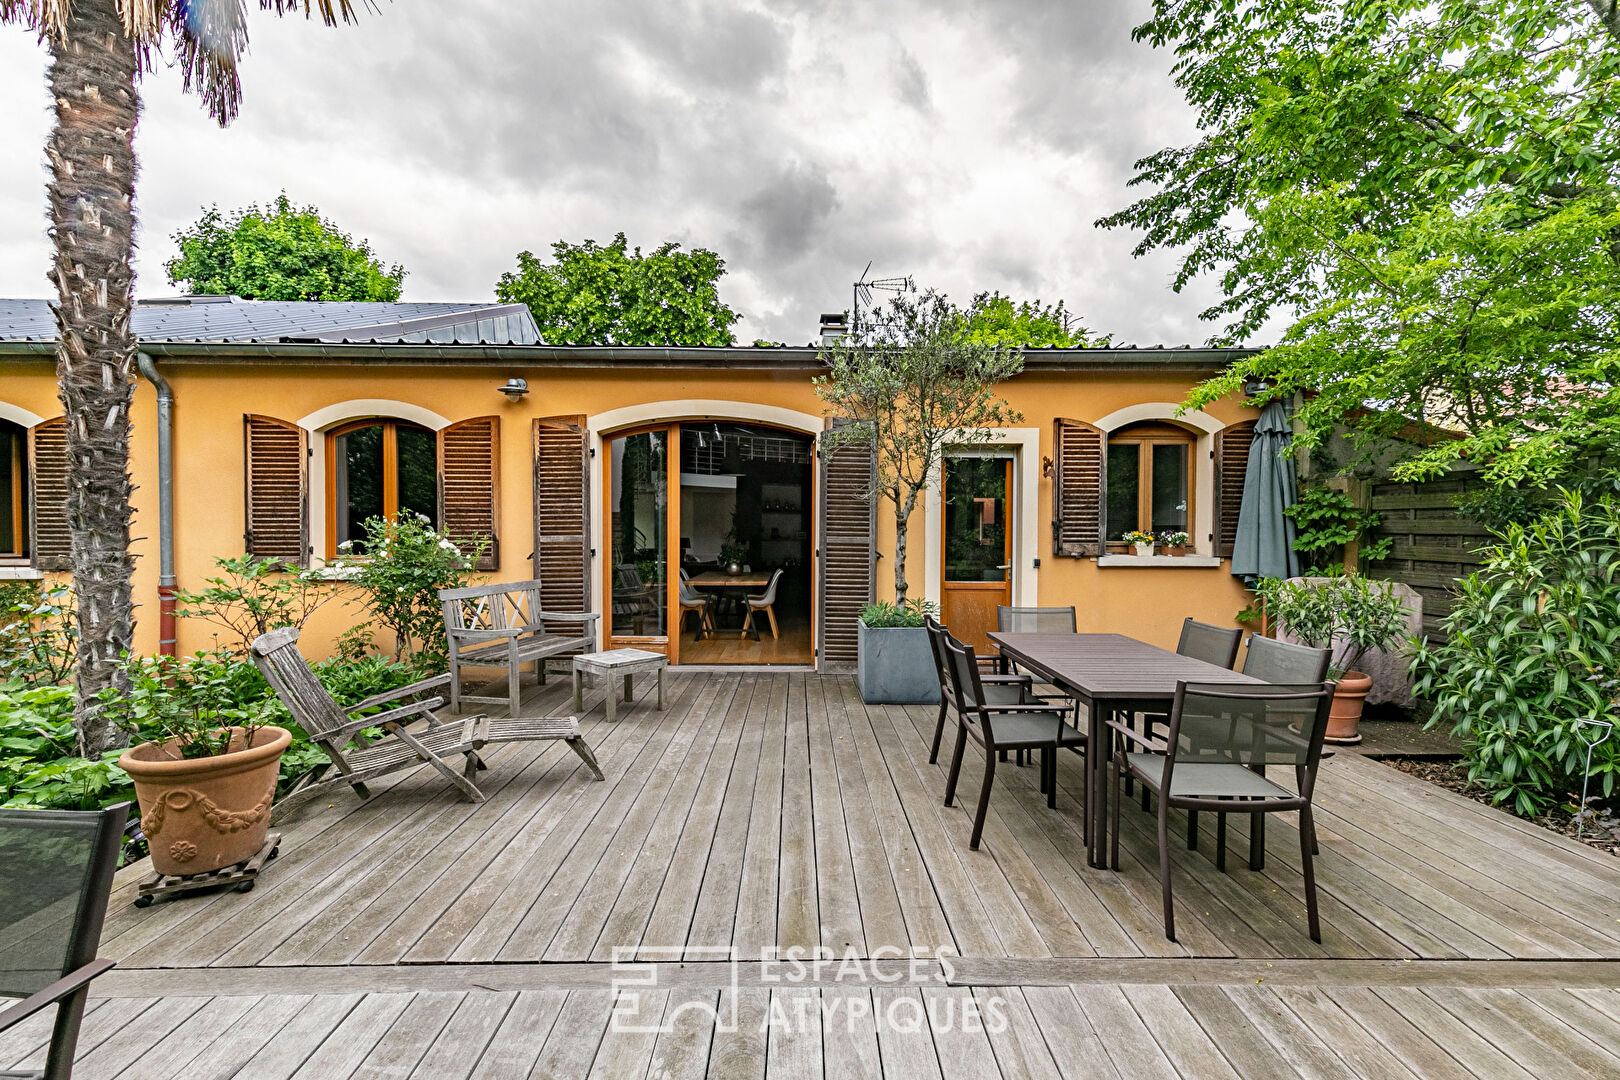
x=276 y=490
x=1231 y=464
x=848 y=550
x=47 y=469
x=469 y=486
x=1079 y=489
x=562 y=518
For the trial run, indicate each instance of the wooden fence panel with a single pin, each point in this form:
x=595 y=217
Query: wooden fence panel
x=1434 y=544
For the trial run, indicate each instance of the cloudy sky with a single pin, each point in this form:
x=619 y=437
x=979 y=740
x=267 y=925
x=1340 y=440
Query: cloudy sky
x=969 y=143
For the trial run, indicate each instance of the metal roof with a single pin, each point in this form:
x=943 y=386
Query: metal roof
x=232 y=320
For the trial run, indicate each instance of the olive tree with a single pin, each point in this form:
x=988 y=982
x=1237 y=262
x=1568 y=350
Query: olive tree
x=913 y=384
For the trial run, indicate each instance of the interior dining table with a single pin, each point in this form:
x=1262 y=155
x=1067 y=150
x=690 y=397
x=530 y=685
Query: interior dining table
x=1108 y=674
x=752 y=580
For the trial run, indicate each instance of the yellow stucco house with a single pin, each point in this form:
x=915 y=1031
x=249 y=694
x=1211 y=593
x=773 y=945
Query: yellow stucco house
x=631 y=481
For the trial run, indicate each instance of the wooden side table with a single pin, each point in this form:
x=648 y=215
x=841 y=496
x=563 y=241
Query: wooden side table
x=612 y=664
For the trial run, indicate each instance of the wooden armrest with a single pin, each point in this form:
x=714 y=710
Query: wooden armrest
x=1132 y=736
x=477 y=634
x=394 y=718
x=438 y=682
x=61 y=988
x=542 y=617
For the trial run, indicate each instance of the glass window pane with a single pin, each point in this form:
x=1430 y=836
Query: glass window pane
x=1123 y=487
x=1170 y=487
x=11 y=487
x=975 y=519
x=418 y=450
x=639 y=504
x=359 y=480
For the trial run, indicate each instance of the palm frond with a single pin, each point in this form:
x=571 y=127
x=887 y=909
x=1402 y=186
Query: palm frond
x=44 y=16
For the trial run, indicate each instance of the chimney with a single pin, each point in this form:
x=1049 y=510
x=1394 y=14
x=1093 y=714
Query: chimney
x=834 y=329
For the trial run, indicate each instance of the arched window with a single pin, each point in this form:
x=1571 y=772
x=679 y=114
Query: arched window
x=13 y=489
x=378 y=468
x=1150 y=480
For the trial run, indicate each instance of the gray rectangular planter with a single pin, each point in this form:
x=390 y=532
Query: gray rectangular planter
x=893 y=665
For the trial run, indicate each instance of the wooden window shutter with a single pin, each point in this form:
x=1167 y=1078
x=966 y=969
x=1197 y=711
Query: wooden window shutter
x=277 y=490
x=848 y=549
x=52 y=541
x=562 y=518
x=469 y=486
x=1231 y=465
x=1079 y=489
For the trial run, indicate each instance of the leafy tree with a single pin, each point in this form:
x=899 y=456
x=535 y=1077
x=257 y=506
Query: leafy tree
x=1431 y=189
x=279 y=252
x=613 y=295
x=914 y=383
x=97 y=48
x=995 y=319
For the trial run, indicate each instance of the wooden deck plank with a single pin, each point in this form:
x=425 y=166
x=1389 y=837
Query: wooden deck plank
x=849 y=1044
x=1504 y=1014
x=123 y=1047
x=627 y=1044
x=1479 y=1056
x=1242 y=1043
x=798 y=913
x=904 y=1038
x=1021 y=1050
x=682 y=1050
x=839 y=926
x=689 y=812
x=183 y=1051
x=1305 y=1052
x=1417 y=1049
x=738 y=1051
x=576 y=1036
x=755 y=928
x=348 y=1043
x=714 y=919
x=457 y=1051
x=1124 y=1038
x=1073 y=1039
x=960 y=1039
x=522 y=1034
x=406 y=1042
x=1323 y=1016
x=793 y=1036
x=1190 y=1049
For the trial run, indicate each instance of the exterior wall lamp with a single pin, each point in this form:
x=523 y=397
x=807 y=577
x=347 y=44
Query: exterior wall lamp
x=515 y=389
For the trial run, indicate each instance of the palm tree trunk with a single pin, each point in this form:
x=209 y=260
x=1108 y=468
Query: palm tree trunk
x=92 y=158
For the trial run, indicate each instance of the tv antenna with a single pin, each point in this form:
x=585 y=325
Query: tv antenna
x=866 y=286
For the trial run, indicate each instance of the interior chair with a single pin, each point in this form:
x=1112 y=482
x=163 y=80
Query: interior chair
x=1221 y=738
x=694 y=601
x=56 y=872
x=766 y=602
x=1022 y=725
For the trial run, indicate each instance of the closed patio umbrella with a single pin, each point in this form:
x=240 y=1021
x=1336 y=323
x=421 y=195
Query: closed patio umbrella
x=1265 y=535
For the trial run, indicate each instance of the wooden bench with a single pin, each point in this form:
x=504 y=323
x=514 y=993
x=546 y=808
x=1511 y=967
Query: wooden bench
x=502 y=626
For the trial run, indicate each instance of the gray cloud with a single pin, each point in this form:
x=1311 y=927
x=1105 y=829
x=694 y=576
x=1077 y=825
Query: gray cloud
x=966 y=142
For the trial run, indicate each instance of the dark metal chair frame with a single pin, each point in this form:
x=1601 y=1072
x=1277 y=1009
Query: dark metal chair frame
x=1009 y=689
x=1222 y=650
x=1291 y=697
x=80 y=965
x=977 y=718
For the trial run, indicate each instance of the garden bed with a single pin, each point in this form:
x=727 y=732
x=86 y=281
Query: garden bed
x=1604 y=834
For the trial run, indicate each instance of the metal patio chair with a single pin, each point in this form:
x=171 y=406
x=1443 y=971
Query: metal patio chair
x=1021 y=725
x=56 y=872
x=1216 y=645
x=1221 y=738
x=412 y=733
x=998 y=689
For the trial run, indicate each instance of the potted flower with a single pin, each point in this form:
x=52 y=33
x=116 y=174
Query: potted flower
x=1350 y=615
x=206 y=787
x=1175 y=543
x=893 y=664
x=1142 y=541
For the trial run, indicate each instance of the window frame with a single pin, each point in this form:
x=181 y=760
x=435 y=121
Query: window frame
x=16 y=438
x=390 y=467
x=1150 y=433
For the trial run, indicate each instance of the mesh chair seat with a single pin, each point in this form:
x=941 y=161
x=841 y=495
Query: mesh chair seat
x=1214 y=780
x=1015 y=729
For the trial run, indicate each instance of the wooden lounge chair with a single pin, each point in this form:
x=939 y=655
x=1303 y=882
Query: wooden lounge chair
x=502 y=626
x=412 y=734
x=56 y=872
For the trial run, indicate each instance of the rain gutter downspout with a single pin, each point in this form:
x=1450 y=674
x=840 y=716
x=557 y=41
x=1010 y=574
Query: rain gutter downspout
x=165 y=433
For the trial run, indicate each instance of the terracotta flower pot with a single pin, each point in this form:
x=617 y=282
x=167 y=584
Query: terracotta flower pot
x=1344 y=719
x=202 y=814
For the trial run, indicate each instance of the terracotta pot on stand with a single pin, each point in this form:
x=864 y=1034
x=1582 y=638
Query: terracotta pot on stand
x=207 y=813
x=1344 y=720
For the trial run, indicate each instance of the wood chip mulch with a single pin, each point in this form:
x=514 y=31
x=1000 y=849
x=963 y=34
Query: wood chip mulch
x=1602 y=829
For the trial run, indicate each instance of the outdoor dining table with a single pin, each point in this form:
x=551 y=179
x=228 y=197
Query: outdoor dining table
x=1108 y=674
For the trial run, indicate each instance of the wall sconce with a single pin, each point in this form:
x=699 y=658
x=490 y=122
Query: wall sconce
x=1046 y=466
x=515 y=389
x=1255 y=387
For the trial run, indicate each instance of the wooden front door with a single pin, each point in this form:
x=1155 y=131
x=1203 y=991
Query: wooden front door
x=977 y=556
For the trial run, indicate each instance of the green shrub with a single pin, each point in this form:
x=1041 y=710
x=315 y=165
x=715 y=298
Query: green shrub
x=252 y=596
x=400 y=568
x=39 y=633
x=1326 y=521
x=1534 y=645
x=1348 y=614
x=886 y=613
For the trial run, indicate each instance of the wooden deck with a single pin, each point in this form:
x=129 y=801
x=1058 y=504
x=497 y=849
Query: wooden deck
x=422 y=936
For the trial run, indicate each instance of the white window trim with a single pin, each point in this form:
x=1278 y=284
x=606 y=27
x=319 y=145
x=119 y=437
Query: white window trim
x=318 y=423
x=1025 y=445
x=1203 y=473
x=19 y=415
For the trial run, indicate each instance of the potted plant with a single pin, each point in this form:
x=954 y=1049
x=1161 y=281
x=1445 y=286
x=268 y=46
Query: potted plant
x=893 y=664
x=911 y=385
x=1175 y=543
x=205 y=789
x=1349 y=615
x=1142 y=541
